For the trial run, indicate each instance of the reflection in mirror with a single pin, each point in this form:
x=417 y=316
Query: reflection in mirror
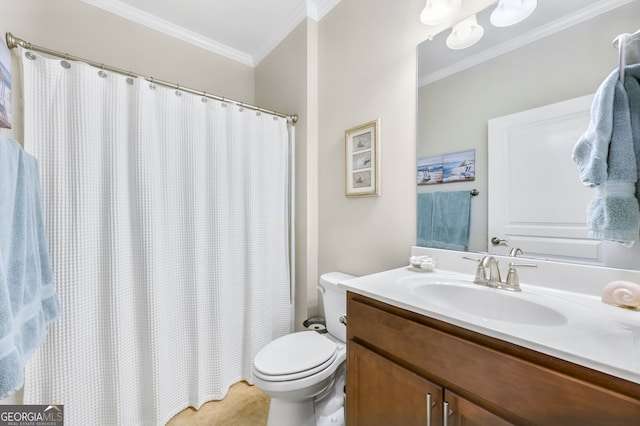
x=561 y=52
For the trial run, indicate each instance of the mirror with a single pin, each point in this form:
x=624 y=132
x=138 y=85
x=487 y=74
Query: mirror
x=562 y=51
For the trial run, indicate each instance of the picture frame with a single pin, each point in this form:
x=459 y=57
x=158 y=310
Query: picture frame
x=362 y=160
x=457 y=166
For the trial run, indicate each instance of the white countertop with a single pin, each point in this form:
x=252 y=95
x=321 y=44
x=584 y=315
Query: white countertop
x=596 y=335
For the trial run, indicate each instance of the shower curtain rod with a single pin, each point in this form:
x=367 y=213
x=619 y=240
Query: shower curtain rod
x=13 y=41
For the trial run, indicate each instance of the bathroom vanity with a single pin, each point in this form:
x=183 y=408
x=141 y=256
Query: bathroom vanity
x=413 y=360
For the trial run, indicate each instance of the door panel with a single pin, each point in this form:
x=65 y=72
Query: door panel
x=536 y=199
x=380 y=392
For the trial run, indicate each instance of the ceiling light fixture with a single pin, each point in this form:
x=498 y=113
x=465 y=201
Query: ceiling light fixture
x=437 y=12
x=510 y=12
x=465 y=33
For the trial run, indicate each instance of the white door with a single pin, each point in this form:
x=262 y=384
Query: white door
x=536 y=200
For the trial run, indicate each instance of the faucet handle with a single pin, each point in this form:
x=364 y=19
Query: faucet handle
x=481 y=273
x=472 y=258
x=513 y=282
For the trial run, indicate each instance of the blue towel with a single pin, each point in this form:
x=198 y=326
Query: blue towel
x=443 y=220
x=591 y=153
x=28 y=301
x=606 y=159
x=632 y=86
x=425 y=219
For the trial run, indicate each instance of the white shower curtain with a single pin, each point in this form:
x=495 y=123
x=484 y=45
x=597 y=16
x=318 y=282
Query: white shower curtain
x=166 y=216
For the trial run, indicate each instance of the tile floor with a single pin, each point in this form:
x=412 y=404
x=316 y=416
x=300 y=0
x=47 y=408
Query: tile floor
x=244 y=405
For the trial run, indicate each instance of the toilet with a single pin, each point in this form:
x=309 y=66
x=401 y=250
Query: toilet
x=304 y=372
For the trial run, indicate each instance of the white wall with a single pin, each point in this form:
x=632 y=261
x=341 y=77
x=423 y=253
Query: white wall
x=367 y=70
x=359 y=64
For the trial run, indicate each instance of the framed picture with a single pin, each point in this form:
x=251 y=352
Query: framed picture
x=452 y=167
x=362 y=160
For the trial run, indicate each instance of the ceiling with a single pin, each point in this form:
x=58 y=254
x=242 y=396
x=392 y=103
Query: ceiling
x=242 y=30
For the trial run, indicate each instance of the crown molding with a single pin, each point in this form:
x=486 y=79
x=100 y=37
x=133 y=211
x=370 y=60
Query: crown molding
x=553 y=27
x=322 y=7
x=314 y=9
x=143 y=18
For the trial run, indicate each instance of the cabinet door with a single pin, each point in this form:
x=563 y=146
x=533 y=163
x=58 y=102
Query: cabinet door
x=380 y=392
x=462 y=412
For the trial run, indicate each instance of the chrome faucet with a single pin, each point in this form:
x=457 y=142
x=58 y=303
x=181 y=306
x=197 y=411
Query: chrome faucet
x=512 y=283
x=494 y=271
x=515 y=252
x=481 y=271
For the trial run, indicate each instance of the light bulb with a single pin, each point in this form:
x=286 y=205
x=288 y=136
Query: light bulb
x=437 y=12
x=510 y=12
x=465 y=33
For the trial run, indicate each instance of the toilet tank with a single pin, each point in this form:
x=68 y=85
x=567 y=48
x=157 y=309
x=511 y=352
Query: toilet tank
x=335 y=302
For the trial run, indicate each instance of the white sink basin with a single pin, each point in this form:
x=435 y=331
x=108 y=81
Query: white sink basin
x=564 y=318
x=487 y=303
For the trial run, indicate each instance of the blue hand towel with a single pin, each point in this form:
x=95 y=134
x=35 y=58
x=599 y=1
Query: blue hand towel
x=425 y=219
x=632 y=86
x=592 y=149
x=609 y=134
x=28 y=301
x=606 y=159
x=443 y=220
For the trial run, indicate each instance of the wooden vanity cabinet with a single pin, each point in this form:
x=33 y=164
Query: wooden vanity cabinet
x=394 y=395
x=408 y=369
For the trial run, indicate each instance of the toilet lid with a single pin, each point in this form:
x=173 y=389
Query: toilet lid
x=295 y=353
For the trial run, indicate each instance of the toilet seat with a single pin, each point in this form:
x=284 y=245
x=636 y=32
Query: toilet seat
x=295 y=356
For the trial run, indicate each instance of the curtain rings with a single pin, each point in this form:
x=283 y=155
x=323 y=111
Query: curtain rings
x=65 y=62
x=102 y=73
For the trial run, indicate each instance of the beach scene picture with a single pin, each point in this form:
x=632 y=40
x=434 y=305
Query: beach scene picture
x=452 y=167
x=362 y=157
x=5 y=86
